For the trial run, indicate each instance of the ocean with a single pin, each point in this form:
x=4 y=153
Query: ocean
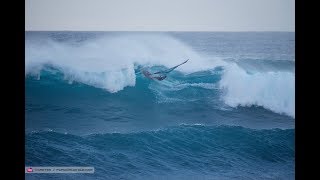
x=228 y=113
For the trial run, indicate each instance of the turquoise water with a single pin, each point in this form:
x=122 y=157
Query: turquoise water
x=226 y=114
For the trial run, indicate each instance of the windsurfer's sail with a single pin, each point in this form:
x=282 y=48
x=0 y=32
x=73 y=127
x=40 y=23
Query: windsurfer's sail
x=160 y=75
x=170 y=69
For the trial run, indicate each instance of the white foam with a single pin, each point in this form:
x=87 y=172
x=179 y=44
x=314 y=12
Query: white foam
x=272 y=90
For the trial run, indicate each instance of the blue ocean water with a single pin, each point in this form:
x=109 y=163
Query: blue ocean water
x=228 y=113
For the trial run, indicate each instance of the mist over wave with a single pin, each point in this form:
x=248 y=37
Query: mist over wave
x=108 y=62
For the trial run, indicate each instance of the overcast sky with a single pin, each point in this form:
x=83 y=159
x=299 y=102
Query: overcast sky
x=160 y=15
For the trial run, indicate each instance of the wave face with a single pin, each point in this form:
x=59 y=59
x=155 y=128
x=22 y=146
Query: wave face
x=227 y=113
x=110 y=61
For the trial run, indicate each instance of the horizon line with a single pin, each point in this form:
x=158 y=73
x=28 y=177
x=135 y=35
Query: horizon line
x=156 y=31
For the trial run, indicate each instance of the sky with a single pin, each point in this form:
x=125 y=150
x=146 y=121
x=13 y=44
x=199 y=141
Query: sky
x=160 y=15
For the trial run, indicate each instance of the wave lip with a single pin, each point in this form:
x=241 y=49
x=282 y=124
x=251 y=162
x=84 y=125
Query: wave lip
x=272 y=90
